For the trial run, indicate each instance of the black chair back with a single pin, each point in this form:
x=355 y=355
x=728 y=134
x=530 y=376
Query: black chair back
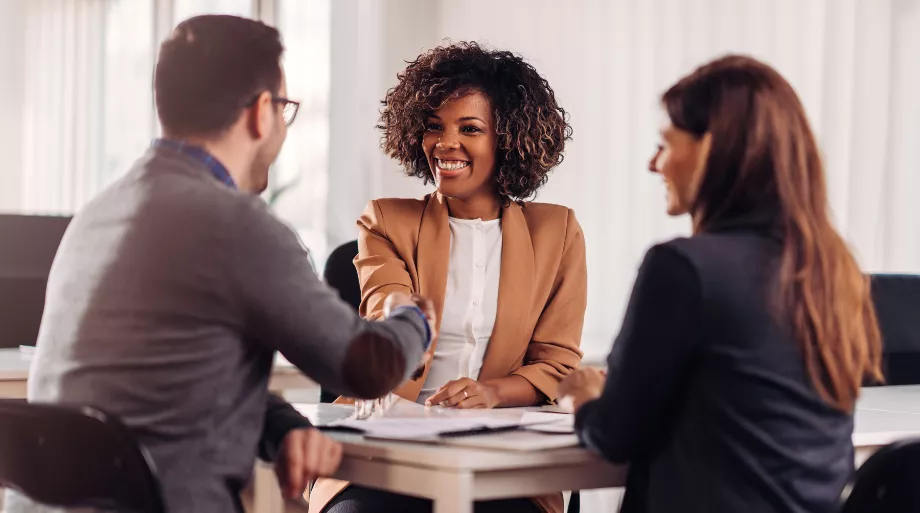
x=888 y=481
x=897 y=301
x=340 y=274
x=75 y=457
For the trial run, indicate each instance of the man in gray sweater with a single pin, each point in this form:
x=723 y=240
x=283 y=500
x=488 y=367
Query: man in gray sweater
x=173 y=289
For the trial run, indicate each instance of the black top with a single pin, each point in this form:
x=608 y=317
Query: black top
x=707 y=394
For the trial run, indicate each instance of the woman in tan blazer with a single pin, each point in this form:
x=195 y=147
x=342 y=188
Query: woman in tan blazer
x=507 y=277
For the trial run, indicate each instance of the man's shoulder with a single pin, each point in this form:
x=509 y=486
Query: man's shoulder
x=162 y=193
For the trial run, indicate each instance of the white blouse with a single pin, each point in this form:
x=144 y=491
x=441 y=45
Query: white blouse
x=470 y=304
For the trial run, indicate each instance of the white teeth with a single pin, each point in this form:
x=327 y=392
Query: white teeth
x=452 y=165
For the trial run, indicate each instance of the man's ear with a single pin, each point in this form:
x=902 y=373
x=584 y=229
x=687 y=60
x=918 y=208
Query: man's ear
x=260 y=116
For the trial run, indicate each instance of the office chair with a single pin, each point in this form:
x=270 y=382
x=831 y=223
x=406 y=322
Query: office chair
x=72 y=457
x=340 y=274
x=887 y=481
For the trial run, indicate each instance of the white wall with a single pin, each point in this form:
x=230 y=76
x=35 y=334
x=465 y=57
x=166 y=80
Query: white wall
x=901 y=245
x=12 y=64
x=370 y=42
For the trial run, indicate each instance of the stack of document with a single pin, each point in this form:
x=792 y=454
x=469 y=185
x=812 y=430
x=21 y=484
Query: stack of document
x=408 y=421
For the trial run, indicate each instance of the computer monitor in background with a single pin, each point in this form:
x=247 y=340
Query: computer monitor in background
x=27 y=248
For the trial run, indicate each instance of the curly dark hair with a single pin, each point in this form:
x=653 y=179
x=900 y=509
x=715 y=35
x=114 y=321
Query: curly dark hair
x=531 y=127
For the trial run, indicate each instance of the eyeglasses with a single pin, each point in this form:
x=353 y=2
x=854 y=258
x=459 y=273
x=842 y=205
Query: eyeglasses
x=289 y=108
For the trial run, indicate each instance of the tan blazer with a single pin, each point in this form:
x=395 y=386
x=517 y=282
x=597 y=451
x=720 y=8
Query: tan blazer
x=404 y=245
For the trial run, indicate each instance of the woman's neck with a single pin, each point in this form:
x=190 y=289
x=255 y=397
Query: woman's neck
x=486 y=208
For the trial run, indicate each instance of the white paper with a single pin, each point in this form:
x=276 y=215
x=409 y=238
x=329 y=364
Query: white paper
x=516 y=441
x=545 y=422
x=406 y=420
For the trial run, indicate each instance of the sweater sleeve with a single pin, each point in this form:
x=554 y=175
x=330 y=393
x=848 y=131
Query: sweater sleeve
x=280 y=419
x=289 y=309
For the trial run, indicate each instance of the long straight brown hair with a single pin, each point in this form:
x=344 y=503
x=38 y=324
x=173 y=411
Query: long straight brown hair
x=764 y=158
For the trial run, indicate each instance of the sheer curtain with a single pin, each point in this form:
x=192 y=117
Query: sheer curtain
x=63 y=86
x=300 y=177
x=87 y=112
x=81 y=108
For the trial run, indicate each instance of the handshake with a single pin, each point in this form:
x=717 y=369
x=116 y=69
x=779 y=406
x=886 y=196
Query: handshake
x=398 y=299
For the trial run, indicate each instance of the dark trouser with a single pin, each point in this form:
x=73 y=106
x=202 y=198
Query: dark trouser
x=357 y=499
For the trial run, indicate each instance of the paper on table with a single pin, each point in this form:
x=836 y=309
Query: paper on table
x=558 y=408
x=26 y=353
x=281 y=361
x=406 y=420
x=516 y=441
x=548 y=422
x=403 y=409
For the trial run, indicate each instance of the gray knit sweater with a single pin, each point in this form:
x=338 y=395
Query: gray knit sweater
x=168 y=297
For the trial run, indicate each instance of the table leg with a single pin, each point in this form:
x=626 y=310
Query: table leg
x=266 y=494
x=454 y=493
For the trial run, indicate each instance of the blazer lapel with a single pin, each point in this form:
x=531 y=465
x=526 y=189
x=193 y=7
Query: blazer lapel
x=515 y=296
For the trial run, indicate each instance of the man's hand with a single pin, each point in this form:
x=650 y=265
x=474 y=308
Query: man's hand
x=397 y=299
x=305 y=455
x=427 y=306
x=464 y=393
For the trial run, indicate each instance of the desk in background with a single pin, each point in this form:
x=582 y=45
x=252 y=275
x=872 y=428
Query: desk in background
x=14 y=373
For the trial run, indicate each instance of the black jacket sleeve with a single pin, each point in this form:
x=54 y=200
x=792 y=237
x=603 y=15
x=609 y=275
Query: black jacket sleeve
x=649 y=361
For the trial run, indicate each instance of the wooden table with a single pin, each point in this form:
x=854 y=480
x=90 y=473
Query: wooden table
x=456 y=477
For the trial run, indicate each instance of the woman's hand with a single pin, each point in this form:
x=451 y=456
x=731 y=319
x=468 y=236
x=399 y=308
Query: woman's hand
x=464 y=393
x=582 y=385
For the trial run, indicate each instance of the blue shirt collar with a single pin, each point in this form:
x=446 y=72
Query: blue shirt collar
x=201 y=155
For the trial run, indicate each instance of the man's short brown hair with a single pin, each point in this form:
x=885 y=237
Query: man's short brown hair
x=210 y=69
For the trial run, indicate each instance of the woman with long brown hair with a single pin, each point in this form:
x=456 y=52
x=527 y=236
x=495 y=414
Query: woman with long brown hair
x=732 y=384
